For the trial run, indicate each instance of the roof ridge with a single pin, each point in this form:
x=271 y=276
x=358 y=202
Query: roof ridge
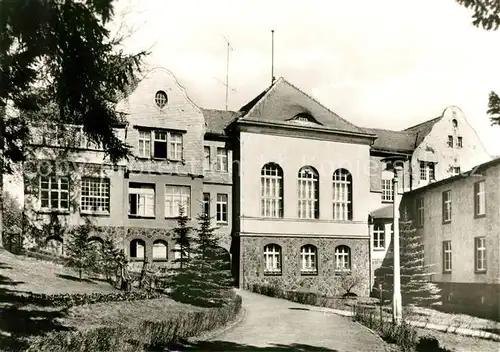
x=318 y=102
x=260 y=97
x=389 y=130
x=421 y=123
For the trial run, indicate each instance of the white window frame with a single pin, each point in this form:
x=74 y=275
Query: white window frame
x=222 y=208
x=460 y=142
x=206 y=158
x=446 y=206
x=175 y=143
x=271 y=191
x=308 y=259
x=145 y=196
x=206 y=204
x=144 y=144
x=342 y=195
x=97 y=199
x=480 y=254
x=427 y=173
x=378 y=236
x=420 y=212
x=222 y=159
x=139 y=255
x=447 y=257
x=160 y=137
x=387 y=190
x=342 y=259
x=57 y=188
x=449 y=142
x=480 y=198
x=175 y=196
x=308 y=193
x=272 y=259
x=157 y=255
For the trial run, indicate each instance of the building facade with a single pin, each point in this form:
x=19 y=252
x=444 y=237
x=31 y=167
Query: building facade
x=458 y=220
x=428 y=152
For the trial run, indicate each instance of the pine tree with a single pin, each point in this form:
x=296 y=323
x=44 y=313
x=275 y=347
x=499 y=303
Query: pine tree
x=109 y=261
x=81 y=253
x=182 y=238
x=205 y=279
x=415 y=275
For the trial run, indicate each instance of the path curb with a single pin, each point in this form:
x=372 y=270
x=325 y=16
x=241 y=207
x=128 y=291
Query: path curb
x=214 y=333
x=430 y=326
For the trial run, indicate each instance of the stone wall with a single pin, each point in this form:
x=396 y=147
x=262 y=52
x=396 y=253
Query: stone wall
x=325 y=282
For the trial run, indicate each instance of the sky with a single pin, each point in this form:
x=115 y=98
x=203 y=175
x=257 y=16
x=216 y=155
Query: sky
x=384 y=64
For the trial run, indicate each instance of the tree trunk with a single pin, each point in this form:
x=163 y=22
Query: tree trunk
x=2 y=146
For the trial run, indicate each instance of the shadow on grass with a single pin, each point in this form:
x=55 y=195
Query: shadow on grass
x=21 y=317
x=232 y=346
x=74 y=278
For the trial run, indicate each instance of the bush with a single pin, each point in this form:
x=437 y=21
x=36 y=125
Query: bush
x=152 y=336
x=70 y=300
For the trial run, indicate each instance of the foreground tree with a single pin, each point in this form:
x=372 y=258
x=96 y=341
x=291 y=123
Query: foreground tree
x=205 y=280
x=82 y=255
x=59 y=64
x=182 y=238
x=416 y=285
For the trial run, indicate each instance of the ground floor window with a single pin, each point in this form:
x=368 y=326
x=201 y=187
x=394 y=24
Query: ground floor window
x=272 y=259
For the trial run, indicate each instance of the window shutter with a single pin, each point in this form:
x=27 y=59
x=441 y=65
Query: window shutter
x=476 y=200
x=475 y=251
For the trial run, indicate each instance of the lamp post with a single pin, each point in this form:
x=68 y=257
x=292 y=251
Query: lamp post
x=394 y=164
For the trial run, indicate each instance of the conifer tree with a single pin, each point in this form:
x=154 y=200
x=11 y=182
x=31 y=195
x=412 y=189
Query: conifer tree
x=182 y=238
x=81 y=253
x=416 y=286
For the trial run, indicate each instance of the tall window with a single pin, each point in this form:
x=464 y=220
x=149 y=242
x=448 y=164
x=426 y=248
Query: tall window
x=479 y=199
x=378 y=236
x=95 y=195
x=145 y=144
x=308 y=193
x=206 y=204
x=160 y=250
x=450 y=141
x=271 y=191
x=222 y=208
x=175 y=146
x=137 y=249
x=308 y=259
x=342 y=195
x=480 y=254
x=446 y=206
x=221 y=160
x=342 y=258
x=459 y=142
x=54 y=193
x=387 y=187
x=272 y=259
x=206 y=158
x=175 y=198
x=141 y=199
x=420 y=212
x=427 y=171
x=447 y=256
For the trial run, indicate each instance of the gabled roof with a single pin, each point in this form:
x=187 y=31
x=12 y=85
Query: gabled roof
x=423 y=129
x=216 y=121
x=283 y=101
x=393 y=141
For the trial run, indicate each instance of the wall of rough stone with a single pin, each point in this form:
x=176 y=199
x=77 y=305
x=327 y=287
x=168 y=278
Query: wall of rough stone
x=325 y=282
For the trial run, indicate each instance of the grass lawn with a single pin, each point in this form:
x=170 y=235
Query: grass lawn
x=20 y=321
x=458 y=343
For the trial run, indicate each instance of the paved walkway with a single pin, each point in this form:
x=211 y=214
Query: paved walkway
x=272 y=324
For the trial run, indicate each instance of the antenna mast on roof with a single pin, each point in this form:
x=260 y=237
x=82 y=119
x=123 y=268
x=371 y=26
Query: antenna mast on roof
x=229 y=47
x=272 y=56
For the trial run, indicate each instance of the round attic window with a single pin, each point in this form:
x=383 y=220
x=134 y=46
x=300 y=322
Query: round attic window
x=454 y=122
x=161 y=98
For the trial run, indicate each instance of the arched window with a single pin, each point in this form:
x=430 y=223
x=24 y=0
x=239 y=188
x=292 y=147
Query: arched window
x=309 y=259
x=160 y=249
x=378 y=236
x=137 y=249
x=272 y=259
x=308 y=193
x=271 y=191
x=342 y=258
x=342 y=195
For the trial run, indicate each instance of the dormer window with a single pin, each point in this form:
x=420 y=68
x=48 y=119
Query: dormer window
x=304 y=117
x=161 y=98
